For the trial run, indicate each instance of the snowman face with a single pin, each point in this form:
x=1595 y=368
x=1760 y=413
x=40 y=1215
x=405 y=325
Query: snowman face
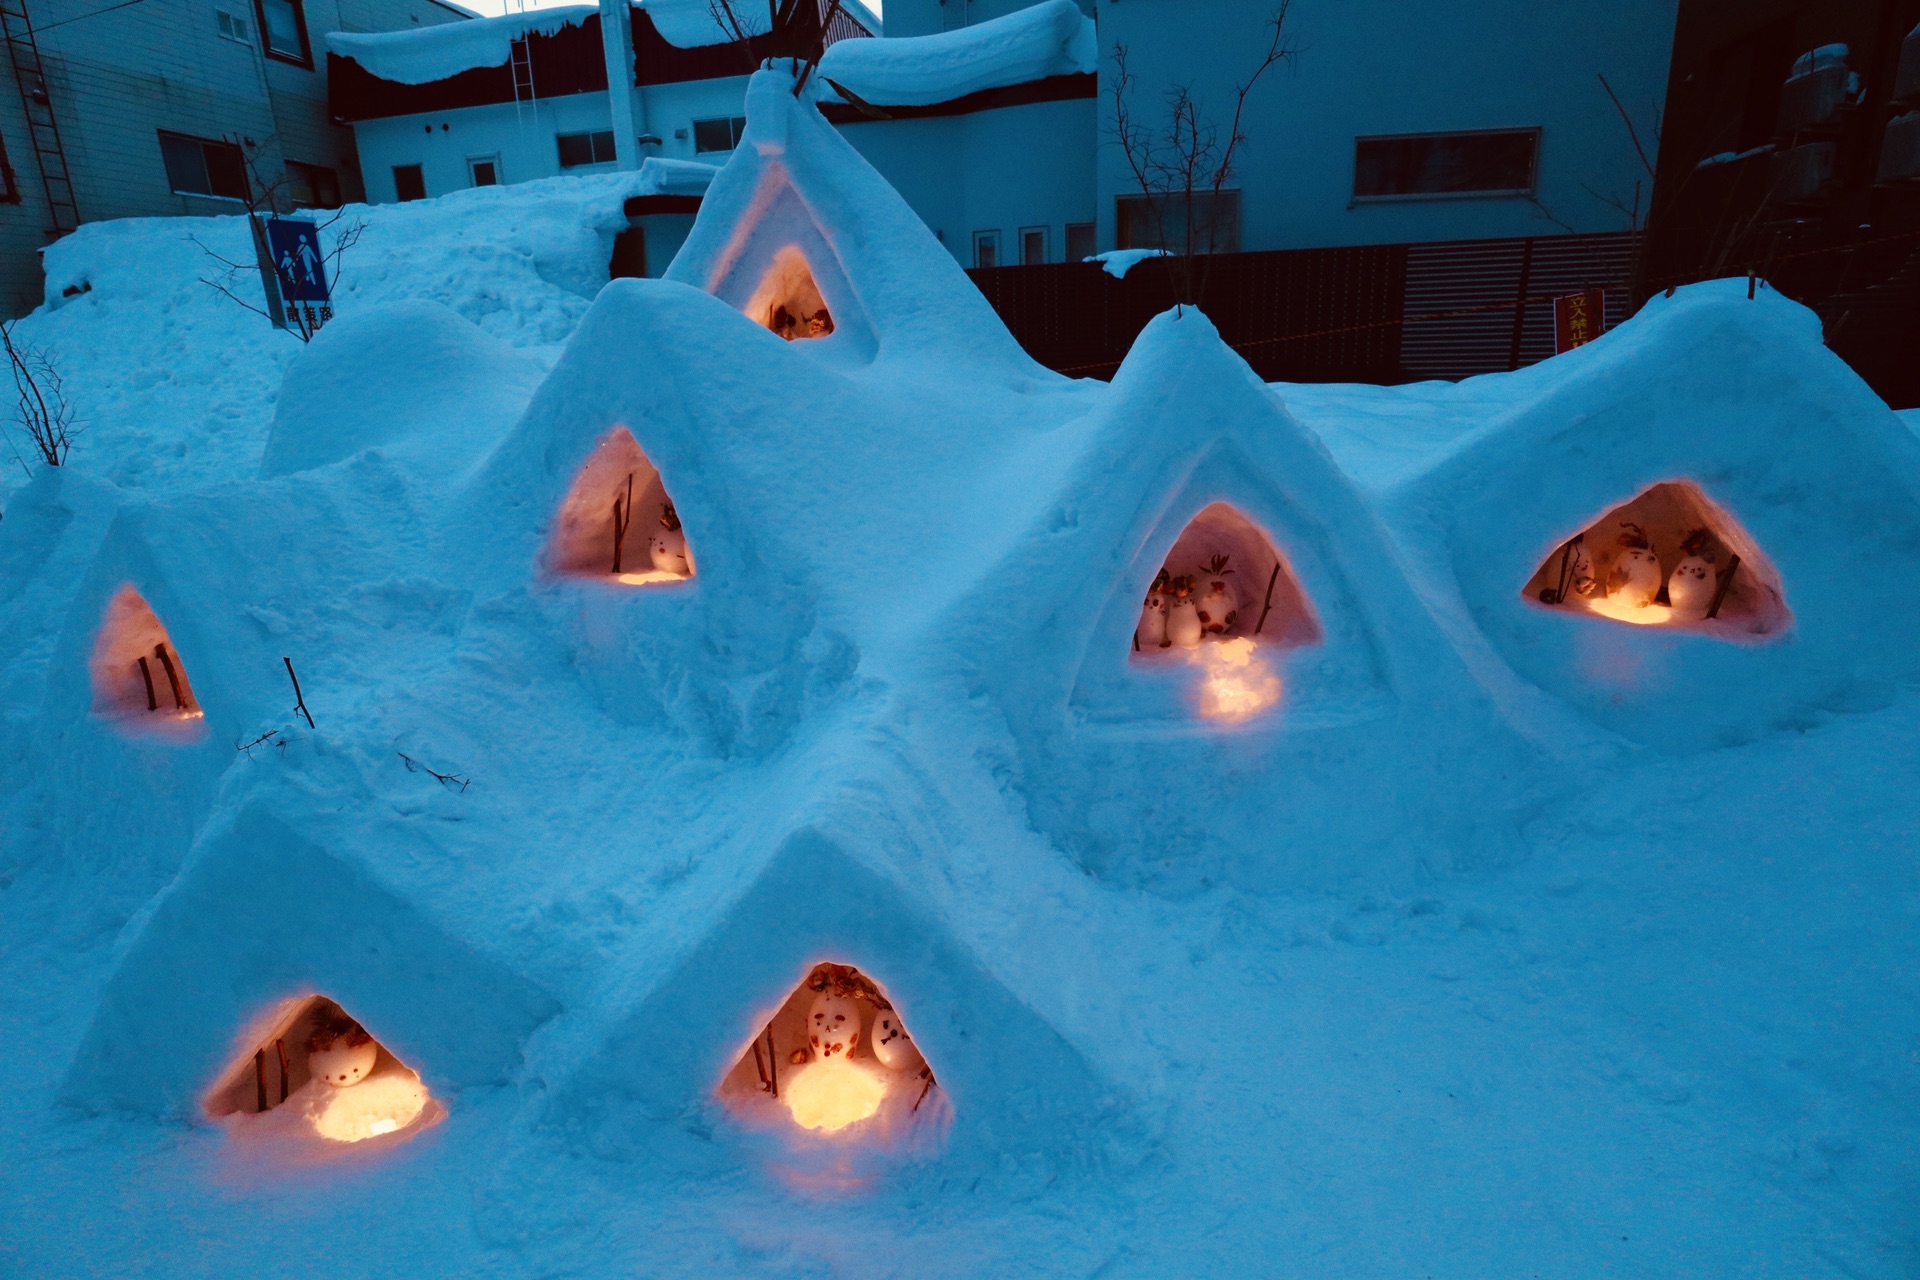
x=833 y=1025
x=891 y=1043
x=1642 y=557
x=341 y=1064
x=1155 y=600
x=1692 y=569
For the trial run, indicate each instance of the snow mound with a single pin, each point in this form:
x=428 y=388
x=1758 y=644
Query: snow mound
x=457 y=392
x=1052 y=38
x=448 y=48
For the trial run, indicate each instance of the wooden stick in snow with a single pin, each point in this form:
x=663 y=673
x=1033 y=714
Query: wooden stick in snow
x=260 y=1079
x=299 y=699
x=622 y=521
x=146 y=673
x=1726 y=581
x=280 y=1047
x=173 y=677
x=1268 y=607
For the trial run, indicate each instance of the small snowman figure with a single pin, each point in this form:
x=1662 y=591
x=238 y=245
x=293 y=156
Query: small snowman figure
x=1636 y=573
x=669 y=545
x=1215 y=603
x=340 y=1051
x=892 y=1045
x=1152 y=631
x=1690 y=589
x=1581 y=577
x=833 y=1025
x=1183 y=616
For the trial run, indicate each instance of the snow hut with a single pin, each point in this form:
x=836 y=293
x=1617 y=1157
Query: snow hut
x=316 y=1071
x=139 y=679
x=1669 y=558
x=835 y=1056
x=617 y=521
x=1719 y=419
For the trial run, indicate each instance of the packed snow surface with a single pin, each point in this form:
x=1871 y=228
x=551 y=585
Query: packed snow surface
x=1052 y=38
x=1509 y=943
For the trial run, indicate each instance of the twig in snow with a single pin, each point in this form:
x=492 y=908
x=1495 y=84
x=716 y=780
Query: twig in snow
x=247 y=748
x=444 y=779
x=299 y=699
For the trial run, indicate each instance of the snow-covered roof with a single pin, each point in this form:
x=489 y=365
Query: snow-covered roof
x=438 y=52
x=691 y=24
x=1050 y=39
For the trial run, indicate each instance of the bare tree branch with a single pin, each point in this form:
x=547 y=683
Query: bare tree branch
x=40 y=408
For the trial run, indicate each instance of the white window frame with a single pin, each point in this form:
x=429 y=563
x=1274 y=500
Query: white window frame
x=237 y=27
x=992 y=238
x=499 y=177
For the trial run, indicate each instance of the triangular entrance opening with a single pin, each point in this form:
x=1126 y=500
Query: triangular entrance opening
x=834 y=1059
x=1669 y=558
x=1224 y=594
x=617 y=523
x=788 y=300
x=316 y=1072
x=138 y=676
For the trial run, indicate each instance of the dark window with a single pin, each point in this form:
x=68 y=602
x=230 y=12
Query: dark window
x=408 y=182
x=1033 y=246
x=986 y=248
x=486 y=173
x=312 y=186
x=577 y=149
x=718 y=135
x=1162 y=224
x=1080 y=241
x=202 y=167
x=1445 y=164
x=284 y=28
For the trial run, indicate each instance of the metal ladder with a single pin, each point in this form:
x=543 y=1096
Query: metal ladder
x=42 y=130
x=520 y=62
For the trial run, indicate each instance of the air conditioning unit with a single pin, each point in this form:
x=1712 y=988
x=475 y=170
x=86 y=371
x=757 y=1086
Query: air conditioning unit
x=1818 y=88
x=1900 y=149
x=1801 y=173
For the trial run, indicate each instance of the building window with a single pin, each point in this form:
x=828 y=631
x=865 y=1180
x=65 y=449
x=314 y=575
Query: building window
x=578 y=149
x=1162 y=224
x=409 y=183
x=1495 y=163
x=484 y=170
x=986 y=248
x=718 y=135
x=285 y=28
x=232 y=26
x=1033 y=246
x=1080 y=241
x=203 y=167
x=312 y=186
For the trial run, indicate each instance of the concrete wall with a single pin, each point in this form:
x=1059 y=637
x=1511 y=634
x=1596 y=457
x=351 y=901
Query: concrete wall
x=118 y=76
x=1402 y=66
x=997 y=170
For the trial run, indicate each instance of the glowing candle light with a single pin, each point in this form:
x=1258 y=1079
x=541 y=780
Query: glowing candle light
x=1238 y=683
x=833 y=1093
x=382 y=1103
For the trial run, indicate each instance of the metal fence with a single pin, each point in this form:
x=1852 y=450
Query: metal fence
x=1367 y=313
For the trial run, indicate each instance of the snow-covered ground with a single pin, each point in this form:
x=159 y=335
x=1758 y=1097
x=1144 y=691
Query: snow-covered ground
x=1475 y=957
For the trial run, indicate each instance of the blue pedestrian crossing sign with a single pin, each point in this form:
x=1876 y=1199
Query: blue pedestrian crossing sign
x=295 y=244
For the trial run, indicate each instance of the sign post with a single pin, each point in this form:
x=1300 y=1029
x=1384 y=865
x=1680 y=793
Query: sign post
x=300 y=271
x=1578 y=318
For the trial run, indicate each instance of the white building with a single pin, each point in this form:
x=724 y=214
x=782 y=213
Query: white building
x=159 y=108
x=1395 y=122
x=526 y=96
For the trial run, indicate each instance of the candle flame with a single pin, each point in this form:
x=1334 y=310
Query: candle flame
x=1238 y=683
x=832 y=1094
x=381 y=1103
